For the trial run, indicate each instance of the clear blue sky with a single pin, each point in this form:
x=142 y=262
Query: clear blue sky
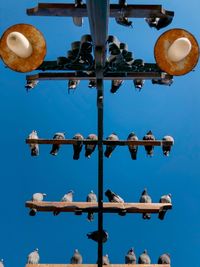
x=49 y=108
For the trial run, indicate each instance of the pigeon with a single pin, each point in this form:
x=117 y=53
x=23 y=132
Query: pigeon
x=31 y=84
x=38 y=197
x=164 y=199
x=34 y=147
x=91 y=197
x=76 y=258
x=78 y=146
x=110 y=148
x=66 y=198
x=124 y=21
x=149 y=148
x=163 y=81
x=92 y=84
x=159 y=23
x=115 y=85
x=112 y=197
x=105 y=260
x=133 y=148
x=130 y=257
x=72 y=84
x=167 y=148
x=33 y=257
x=138 y=83
x=145 y=198
x=78 y=21
x=89 y=148
x=144 y=258
x=95 y=236
x=55 y=147
x=164 y=259
x=1 y=263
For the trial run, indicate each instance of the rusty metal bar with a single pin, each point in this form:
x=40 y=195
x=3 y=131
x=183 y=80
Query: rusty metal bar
x=104 y=142
x=69 y=10
x=107 y=76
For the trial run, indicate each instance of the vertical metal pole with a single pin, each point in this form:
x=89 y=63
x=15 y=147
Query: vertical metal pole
x=100 y=167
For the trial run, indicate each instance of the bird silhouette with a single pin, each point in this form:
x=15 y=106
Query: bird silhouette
x=145 y=198
x=78 y=146
x=110 y=148
x=149 y=148
x=34 y=147
x=55 y=147
x=133 y=148
x=91 y=197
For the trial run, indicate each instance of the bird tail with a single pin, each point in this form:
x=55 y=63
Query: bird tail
x=34 y=151
x=54 y=150
x=162 y=213
x=133 y=153
x=108 y=151
x=90 y=216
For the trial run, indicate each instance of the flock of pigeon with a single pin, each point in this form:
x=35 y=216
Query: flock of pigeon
x=112 y=197
x=121 y=19
x=130 y=258
x=89 y=148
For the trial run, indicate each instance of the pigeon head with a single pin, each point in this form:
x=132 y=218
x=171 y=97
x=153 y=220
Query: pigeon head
x=44 y=195
x=76 y=250
x=145 y=251
x=149 y=132
x=170 y=195
x=92 y=192
x=144 y=191
x=131 y=250
x=71 y=191
x=37 y=249
x=1 y=260
x=108 y=192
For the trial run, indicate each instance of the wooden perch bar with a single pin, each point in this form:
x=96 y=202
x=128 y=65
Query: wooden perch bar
x=69 y=10
x=45 y=206
x=95 y=265
x=105 y=142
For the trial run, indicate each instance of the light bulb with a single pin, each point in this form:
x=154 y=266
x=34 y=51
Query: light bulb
x=19 y=44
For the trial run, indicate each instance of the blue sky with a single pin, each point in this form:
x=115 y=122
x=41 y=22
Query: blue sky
x=49 y=108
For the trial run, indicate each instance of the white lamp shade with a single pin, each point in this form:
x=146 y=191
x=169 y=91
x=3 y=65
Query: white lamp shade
x=19 y=44
x=179 y=49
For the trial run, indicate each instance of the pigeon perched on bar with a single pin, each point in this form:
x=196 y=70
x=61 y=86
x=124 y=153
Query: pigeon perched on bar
x=55 y=147
x=33 y=257
x=133 y=148
x=76 y=258
x=1 y=263
x=145 y=198
x=113 y=197
x=130 y=257
x=78 y=21
x=138 y=83
x=72 y=84
x=164 y=199
x=110 y=148
x=91 y=197
x=38 y=196
x=34 y=147
x=149 y=137
x=89 y=148
x=164 y=259
x=95 y=236
x=31 y=84
x=66 y=198
x=115 y=85
x=92 y=84
x=144 y=258
x=167 y=148
x=78 y=146
x=105 y=260
x=159 y=23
